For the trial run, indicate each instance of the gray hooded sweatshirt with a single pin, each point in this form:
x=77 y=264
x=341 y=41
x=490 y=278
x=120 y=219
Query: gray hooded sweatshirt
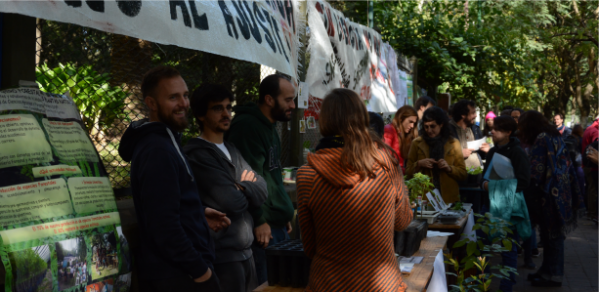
x=217 y=178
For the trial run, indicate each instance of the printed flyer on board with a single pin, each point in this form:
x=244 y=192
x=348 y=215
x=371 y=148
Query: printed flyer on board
x=59 y=225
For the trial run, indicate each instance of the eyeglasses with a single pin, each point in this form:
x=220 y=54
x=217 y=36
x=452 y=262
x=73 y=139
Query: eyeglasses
x=220 y=108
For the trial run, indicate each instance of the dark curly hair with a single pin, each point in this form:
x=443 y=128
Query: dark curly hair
x=438 y=115
x=205 y=94
x=461 y=108
x=505 y=124
x=531 y=124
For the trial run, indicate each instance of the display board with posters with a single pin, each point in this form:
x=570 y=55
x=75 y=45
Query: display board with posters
x=344 y=54
x=59 y=225
x=263 y=32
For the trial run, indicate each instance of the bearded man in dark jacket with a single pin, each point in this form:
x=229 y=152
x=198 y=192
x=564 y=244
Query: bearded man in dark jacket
x=176 y=252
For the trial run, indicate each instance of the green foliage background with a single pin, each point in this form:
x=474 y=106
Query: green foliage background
x=539 y=55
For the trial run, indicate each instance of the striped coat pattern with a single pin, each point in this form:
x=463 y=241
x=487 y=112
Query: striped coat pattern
x=347 y=225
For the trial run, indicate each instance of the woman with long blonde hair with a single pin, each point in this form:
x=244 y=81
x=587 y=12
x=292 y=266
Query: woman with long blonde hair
x=351 y=197
x=401 y=132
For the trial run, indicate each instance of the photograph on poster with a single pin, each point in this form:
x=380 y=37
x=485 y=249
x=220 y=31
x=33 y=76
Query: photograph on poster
x=311 y=123
x=102 y=286
x=71 y=257
x=31 y=269
x=123 y=283
x=125 y=254
x=302 y=127
x=105 y=260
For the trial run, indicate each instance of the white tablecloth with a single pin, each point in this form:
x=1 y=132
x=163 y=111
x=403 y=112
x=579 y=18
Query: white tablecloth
x=468 y=232
x=438 y=280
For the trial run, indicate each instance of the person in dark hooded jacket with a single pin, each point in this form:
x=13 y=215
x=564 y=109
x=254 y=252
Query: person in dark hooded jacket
x=176 y=252
x=508 y=146
x=227 y=183
x=254 y=132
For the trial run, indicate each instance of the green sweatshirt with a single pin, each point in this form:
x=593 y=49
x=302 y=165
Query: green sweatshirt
x=258 y=141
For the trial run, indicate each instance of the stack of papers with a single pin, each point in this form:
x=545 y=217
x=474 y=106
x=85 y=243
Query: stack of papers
x=475 y=145
x=411 y=260
x=406 y=264
x=406 y=267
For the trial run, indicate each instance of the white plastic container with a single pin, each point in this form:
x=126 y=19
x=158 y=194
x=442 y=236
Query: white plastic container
x=430 y=216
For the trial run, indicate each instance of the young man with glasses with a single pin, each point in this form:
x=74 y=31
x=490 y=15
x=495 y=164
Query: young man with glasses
x=227 y=183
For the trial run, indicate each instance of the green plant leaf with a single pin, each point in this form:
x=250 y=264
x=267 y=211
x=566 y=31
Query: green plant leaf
x=507 y=244
x=460 y=243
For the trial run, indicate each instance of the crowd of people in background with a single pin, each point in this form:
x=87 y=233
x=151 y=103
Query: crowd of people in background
x=221 y=199
x=555 y=169
x=75 y=270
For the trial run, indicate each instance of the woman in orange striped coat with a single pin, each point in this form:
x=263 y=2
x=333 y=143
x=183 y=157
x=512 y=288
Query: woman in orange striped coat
x=351 y=197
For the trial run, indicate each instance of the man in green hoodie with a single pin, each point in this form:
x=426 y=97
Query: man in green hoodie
x=253 y=131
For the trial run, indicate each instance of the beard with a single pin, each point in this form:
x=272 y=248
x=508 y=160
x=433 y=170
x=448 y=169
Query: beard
x=279 y=114
x=469 y=123
x=218 y=127
x=170 y=121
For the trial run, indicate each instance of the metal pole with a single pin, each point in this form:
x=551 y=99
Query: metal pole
x=370 y=14
x=297 y=139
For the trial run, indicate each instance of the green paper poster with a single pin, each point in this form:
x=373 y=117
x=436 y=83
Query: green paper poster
x=59 y=225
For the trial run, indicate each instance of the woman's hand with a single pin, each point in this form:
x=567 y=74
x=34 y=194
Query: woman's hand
x=443 y=165
x=426 y=163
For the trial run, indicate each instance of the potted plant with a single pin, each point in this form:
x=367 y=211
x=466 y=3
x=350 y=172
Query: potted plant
x=473 y=271
x=418 y=186
x=474 y=174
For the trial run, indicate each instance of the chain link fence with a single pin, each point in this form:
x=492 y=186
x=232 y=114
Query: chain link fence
x=103 y=72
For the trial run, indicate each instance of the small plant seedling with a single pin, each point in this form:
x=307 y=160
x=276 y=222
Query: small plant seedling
x=419 y=185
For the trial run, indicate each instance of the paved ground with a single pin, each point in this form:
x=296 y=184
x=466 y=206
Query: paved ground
x=581 y=273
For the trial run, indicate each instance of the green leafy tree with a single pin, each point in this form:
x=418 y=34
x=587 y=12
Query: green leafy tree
x=533 y=54
x=100 y=103
x=26 y=265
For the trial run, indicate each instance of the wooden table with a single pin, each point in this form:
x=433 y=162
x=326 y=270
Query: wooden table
x=418 y=280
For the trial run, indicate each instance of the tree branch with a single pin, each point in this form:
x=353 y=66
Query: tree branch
x=575 y=6
x=584 y=40
x=562 y=34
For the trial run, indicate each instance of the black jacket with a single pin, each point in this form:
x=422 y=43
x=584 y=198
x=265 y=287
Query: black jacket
x=174 y=235
x=478 y=134
x=216 y=178
x=520 y=163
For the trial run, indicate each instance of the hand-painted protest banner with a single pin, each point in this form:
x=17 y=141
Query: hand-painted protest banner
x=344 y=54
x=263 y=32
x=60 y=229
